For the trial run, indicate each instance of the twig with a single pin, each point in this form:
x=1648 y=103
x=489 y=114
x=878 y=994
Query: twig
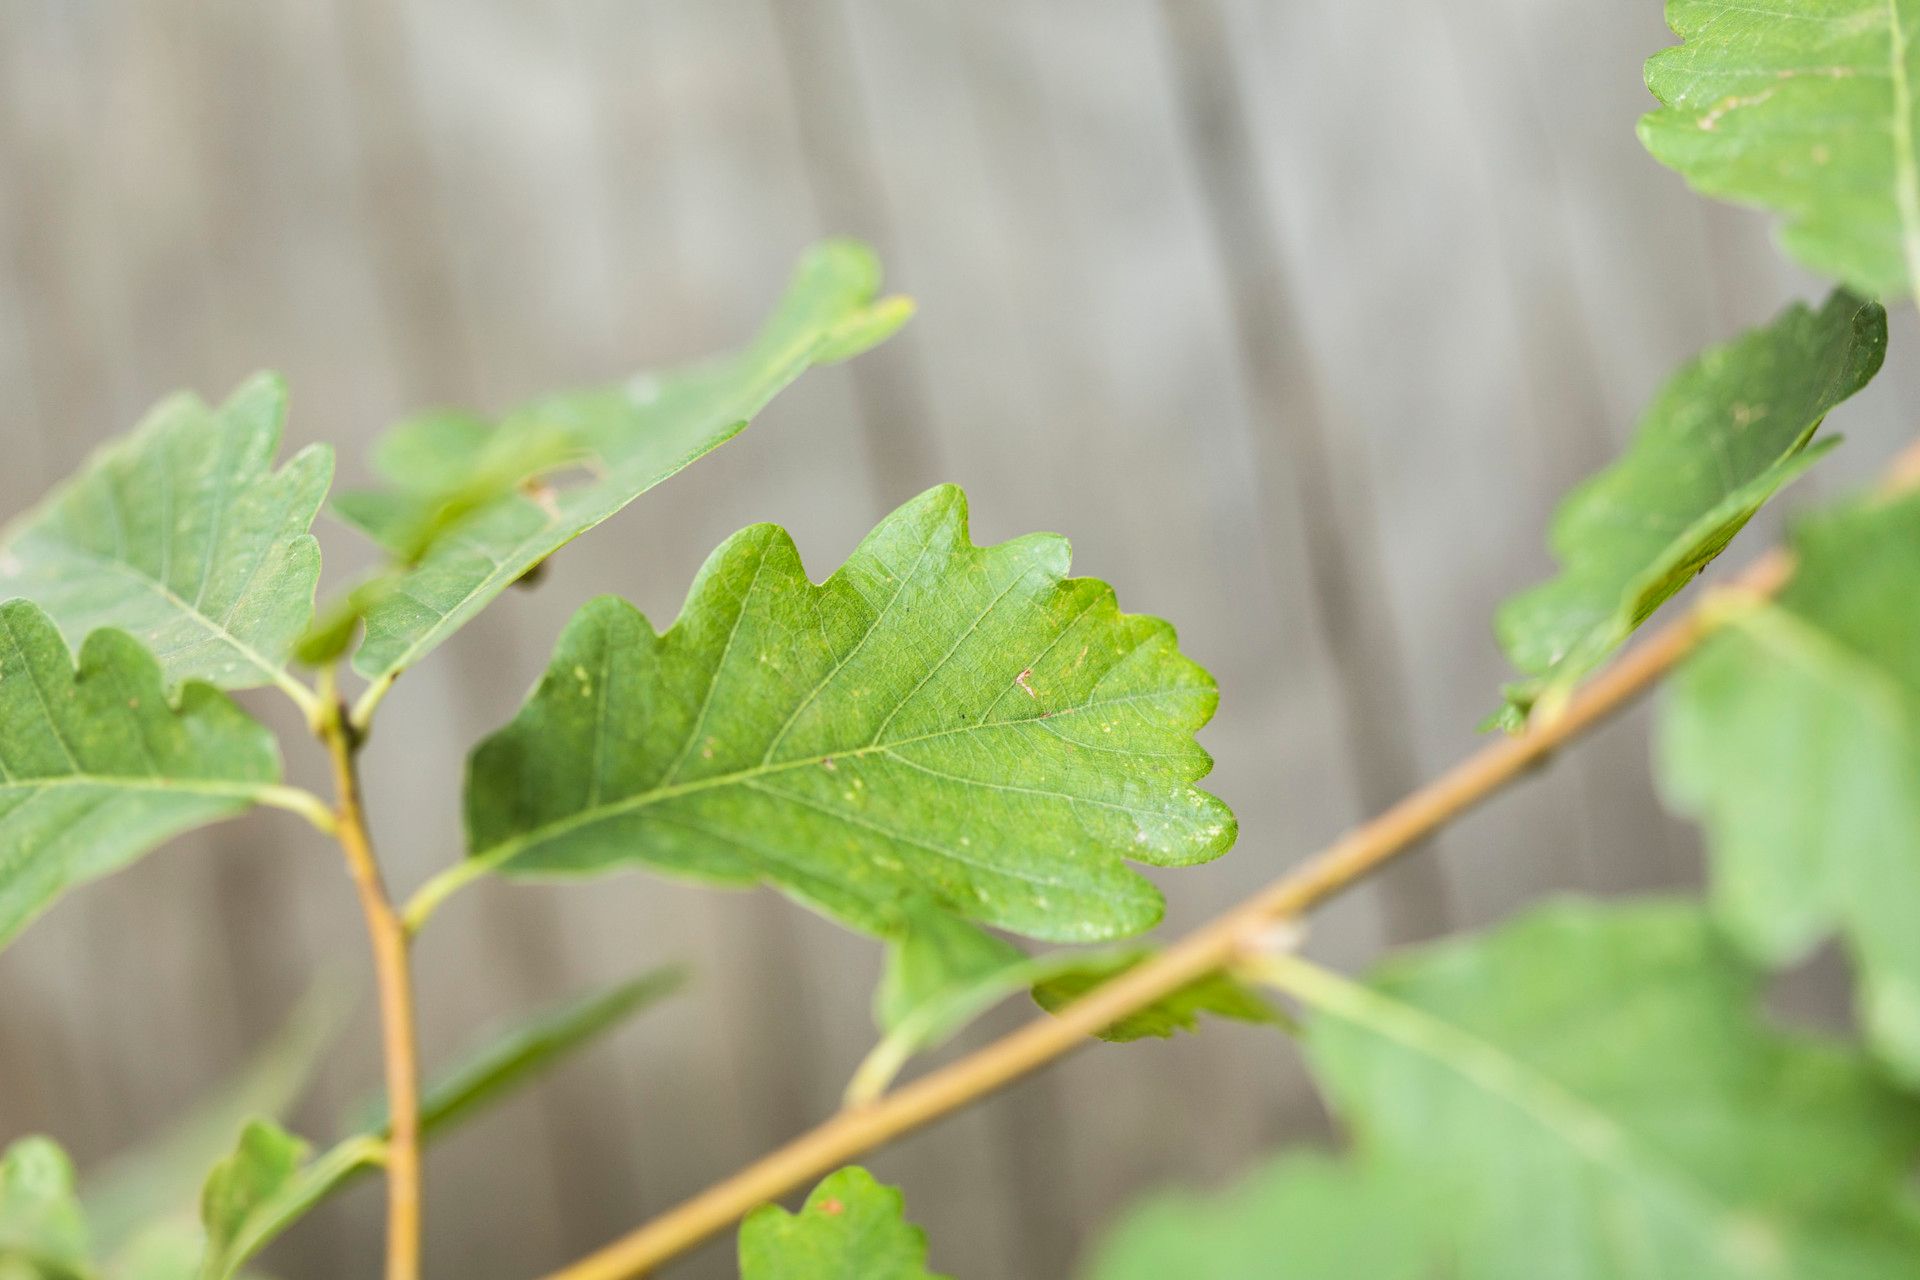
x=394 y=977
x=1239 y=934
x=1212 y=947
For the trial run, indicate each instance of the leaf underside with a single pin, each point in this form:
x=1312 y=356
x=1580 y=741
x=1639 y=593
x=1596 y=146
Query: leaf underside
x=184 y=536
x=850 y=1226
x=97 y=767
x=1218 y=995
x=1595 y=1086
x=937 y=721
x=472 y=507
x=1809 y=109
x=1795 y=737
x=1723 y=436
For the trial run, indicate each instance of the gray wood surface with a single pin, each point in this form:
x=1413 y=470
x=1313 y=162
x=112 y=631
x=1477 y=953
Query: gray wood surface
x=1297 y=316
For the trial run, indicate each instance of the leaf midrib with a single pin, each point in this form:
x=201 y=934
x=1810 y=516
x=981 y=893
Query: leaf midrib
x=136 y=782
x=1906 y=162
x=511 y=848
x=1588 y=1131
x=273 y=671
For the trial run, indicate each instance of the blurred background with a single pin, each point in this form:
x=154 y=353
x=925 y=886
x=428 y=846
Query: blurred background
x=1297 y=315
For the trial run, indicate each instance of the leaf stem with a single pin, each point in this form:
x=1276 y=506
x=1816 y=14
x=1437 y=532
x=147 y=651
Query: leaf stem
x=300 y=801
x=428 y=897
x=394 y=979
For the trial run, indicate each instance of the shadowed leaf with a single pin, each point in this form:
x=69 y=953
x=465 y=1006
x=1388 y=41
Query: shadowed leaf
x=1720 y=439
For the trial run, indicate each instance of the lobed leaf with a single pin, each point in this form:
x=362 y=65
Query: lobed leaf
x=97 y=767
x=1723 y=436
x=1795 y=738
x=1592 y=1090
x=1809 y=109
x=472 y=507
x=937 y=721
x=184 y=536
x=1302 y=1217
x=850 y=1226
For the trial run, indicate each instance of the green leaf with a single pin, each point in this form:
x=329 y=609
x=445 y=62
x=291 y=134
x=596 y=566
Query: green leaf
x=942 y=973
x=1303 y=1217
x=472 y=506
x=265 y=1186
x=936 y=721
x=1795 y=737
x=184 y=536
x=42 y=1233
x=1809 y=109
x=935 y=956
x=96 y=767
x=168 y=1250
x=1721 y=438
x=1218 y=994
x=164 y=1175
x=527 y=1048
x=1596 y=1086
x=850 y=1226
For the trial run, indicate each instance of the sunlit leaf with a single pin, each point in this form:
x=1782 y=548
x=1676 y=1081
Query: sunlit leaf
x=184 y=536
x=1594 y=1090
x=97 y=767
x=937 y=721
x=1720 y=439
x=850 y=1226
x=471 y=506
x=1795 y=737
x=1810 y=108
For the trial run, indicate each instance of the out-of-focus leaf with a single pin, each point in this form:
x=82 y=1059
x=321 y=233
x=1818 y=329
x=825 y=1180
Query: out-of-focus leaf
x=933 y=956
x=1795 y=737
x=850 y=1226
x=1720 y=439
x=165 y=1175
x=266 y=1185
x=1218 y=994
x=1303 y=1217
x=97 y=767
x=937 y=721
x=527 y=1048
x=171 y=1249
x=1592 y=1090
x=184 y=536
x=469 y=510
x=1810 y=108
x=42 y=1232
